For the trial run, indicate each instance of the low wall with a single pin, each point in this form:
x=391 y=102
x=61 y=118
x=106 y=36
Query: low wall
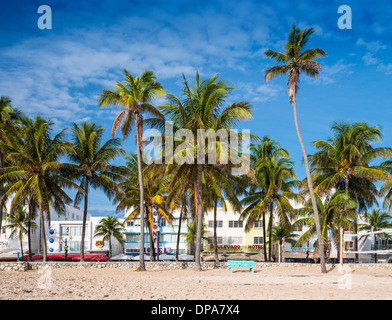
x=24 y=266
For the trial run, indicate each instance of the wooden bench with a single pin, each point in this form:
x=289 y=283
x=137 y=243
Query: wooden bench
x=240 y=264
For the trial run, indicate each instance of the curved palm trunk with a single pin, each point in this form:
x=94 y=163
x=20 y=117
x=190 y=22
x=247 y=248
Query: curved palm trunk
x=199 y=213
x=215 y=235
x=264 y=238
x=84 y=219
x=375 y=248
x=311 y=192
x=142 y=265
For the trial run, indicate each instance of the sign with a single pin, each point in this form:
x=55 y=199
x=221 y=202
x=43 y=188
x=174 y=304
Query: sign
x=256 y=246
x=99 y=243
x=227 y=246
x=155 y=226
x=166 y=250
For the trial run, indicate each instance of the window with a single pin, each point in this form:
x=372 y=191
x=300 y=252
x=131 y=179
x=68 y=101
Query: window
x=219 y=240
x=349 y=245
x=234 y=240
x=235 y=224
x=258 y=240
x=73 y=246
x=163 y=223
x=73 y=231
x=258 y=224
x=167 y=237
x=298 y=229
x=132 y=238
x=130 y=223
x=219 y=223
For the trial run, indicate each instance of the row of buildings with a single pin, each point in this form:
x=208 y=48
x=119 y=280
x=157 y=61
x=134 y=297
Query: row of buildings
x=231 y=237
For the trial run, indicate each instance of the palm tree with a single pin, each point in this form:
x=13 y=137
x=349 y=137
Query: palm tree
x=155 y=185
x=191 y=235
x=294 y=61
x=282 y=234
x=7 y=114
x=19 y=224
x=34 y=171
x=92 y=166
x=107 y=228
x=336 y=212
x=263 y=151
x=344 y=162
x=201 y=108
x=276 y=178
x=376 y=221
x=135 y=96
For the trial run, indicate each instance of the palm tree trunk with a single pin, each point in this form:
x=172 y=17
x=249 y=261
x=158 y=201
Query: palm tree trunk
x=264 y=238
x=21 y=245
x=43 y=236
x=110 y=245
x=142 y=265
x=1 y=193
x=270 y=233
x=29 y=229
x=311 y=192
x=199 y=213
x=215 y=235
x=179 y=230
x=84 y=219
x=280 y=251
x=375 y=248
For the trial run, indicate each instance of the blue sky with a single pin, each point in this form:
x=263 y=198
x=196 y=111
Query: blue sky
x=59 y=73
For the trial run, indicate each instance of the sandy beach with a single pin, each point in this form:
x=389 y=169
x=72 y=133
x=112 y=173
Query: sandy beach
x=218 y=284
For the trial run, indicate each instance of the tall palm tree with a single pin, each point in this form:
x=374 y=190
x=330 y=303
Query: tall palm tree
x=7 y=114
x=18 y=223
x=201 y=108
x=92 y=167
x=34 y=171
x=276 y=178
x=135 y=96
x=376 y=221
x=294 y=61
x=155 y=186
x=344 y=161
x=336 y=213
x=107 y=228
x=283 y=234
x=263 y=151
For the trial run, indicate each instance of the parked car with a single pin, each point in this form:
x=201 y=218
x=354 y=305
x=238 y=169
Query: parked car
x=390 y=260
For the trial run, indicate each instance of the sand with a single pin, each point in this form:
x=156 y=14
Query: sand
x=219 y=284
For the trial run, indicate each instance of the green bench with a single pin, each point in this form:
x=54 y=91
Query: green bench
x=240 y=264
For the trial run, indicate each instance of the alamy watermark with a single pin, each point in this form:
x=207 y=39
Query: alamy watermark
x=216 y=147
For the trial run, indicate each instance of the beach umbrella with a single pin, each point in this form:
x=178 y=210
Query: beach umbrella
x=166 y=257
x=121 y=257
x=186 y=257
x=137 y=258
